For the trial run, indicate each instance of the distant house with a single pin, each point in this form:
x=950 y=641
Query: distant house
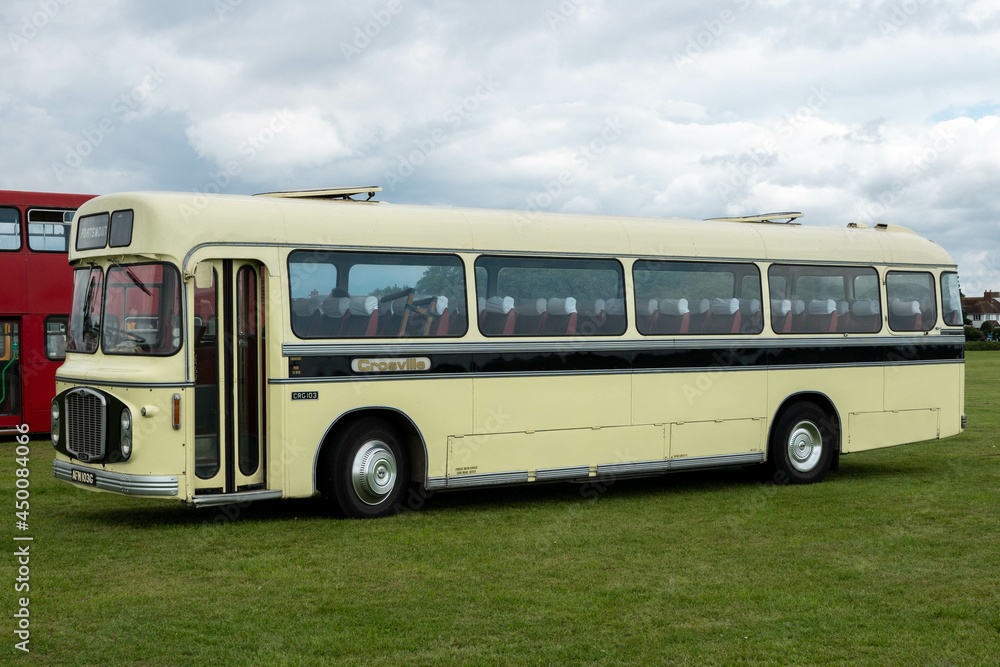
x=983 y=309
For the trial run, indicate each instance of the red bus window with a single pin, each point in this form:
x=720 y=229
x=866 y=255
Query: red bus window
x=10 y=229
x=48 y=230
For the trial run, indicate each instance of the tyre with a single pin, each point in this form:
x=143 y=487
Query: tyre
x=366 y=473
x=802 y=445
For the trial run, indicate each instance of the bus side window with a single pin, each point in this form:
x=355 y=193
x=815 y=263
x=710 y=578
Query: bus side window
x=687 y=298
x=364 y=295
x=55 y=336
x=951 y=300
x=540 y=296
x=912 y=300
x=823 y=299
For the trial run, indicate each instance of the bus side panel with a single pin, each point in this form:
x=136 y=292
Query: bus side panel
x=518 y=405
x=701 y=396
x=721 y=410
x=538 y=452
x=551 y=403
x=717 y=438
x=928 y=386
x=872 y=430
x=13 y=293
x=849 y=389
x=438 y=408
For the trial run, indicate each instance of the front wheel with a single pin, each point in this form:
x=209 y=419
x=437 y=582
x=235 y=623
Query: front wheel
x=367 y=472
x=802 y=445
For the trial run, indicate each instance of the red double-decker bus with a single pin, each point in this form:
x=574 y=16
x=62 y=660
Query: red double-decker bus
x=36 y=287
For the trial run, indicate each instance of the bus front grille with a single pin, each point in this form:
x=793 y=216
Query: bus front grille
x=86 y=412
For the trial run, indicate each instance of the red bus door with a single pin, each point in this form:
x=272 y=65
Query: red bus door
x=10 y=374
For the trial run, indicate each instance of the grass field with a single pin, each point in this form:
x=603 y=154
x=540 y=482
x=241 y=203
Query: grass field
x=894 y=560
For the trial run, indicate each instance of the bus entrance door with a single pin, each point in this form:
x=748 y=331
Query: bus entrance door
x=229 y=410
x=10 y=375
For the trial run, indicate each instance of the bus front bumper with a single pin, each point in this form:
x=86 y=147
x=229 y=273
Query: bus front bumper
x=129 y=485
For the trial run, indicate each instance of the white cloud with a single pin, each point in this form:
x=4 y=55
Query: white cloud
x=822 y=107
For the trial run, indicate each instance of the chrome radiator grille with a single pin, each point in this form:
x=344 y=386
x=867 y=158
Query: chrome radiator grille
x=86 y=412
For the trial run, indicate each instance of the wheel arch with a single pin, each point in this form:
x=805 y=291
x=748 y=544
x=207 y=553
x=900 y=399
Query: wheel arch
x=416 y=446
x=823 y=402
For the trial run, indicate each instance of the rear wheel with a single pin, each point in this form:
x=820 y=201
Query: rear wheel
x=366 y=472
x=802 y=444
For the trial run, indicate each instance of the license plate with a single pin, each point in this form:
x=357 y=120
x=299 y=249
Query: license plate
x=84 y=477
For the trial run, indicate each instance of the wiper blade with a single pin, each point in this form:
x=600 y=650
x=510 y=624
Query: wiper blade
x=135 y=279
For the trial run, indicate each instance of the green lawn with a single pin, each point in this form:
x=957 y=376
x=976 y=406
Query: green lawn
x=894 y=560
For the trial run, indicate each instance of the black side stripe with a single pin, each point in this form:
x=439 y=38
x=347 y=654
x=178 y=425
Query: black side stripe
x=637 y=360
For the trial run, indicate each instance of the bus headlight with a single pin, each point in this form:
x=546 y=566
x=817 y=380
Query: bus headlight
x=126 y=441
x=54 y=424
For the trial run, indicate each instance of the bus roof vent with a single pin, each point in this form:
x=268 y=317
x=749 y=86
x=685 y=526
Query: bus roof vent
x=775 y=218
x=327 y=193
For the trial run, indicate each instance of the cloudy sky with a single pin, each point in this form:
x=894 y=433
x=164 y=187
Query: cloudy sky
x=880 y=111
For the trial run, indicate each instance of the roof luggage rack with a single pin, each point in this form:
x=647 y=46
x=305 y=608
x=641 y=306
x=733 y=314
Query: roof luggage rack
x=326 y=193
x=774 y=218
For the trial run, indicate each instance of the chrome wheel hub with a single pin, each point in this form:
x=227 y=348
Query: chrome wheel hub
x=373 y=472
x=805 y=446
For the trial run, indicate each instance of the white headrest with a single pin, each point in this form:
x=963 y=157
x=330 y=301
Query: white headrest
x=725 y=306
x=301 y=306
x=530 y=307
x=439 y=305
x=565 y=306
x=363 y=305
x=904 y=308
x=865 y=307
x=798 y=305
x=502 y=305
x=822 y=306
x=481 y=303
x=590 y=307
x=675 y=307
x=950 y=305
x=699 y=306
x=398 y=306
x=780 y=307
x=614 y=306
x=843 y=307
x=336 y=306
x=750 y=306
